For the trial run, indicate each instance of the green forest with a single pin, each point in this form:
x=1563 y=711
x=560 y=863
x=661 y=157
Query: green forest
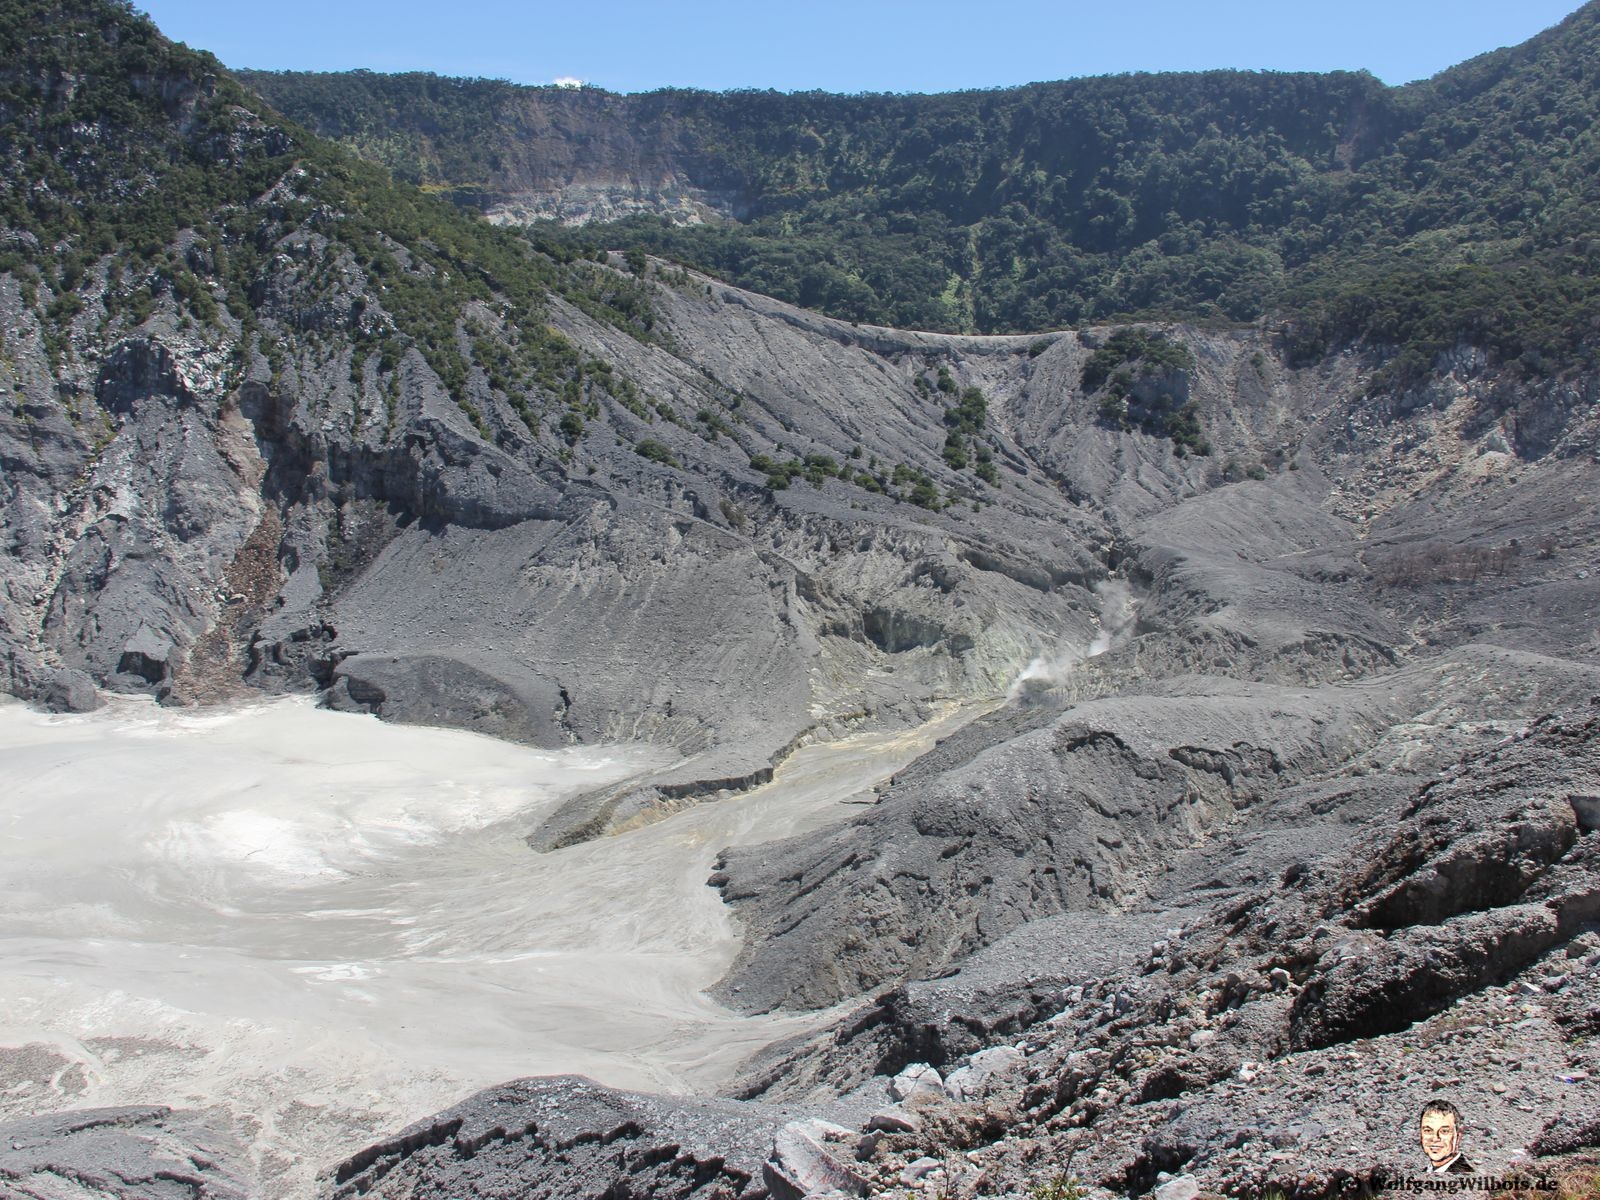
x=1332 y=207
x=1459 y=208
x=121 y=150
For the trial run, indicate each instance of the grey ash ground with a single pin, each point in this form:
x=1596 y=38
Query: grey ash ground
x=1311 y=841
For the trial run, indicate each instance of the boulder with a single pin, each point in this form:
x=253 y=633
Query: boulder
x=146 y=655
x=133 y=1153
x=982 y=1072
x=918 y=1079
x=802 y=1164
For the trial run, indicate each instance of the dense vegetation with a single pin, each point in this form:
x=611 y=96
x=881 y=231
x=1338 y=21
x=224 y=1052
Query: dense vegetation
x=982 y=210
x=125 y=153
x=1463 y=207
x=1141 y=376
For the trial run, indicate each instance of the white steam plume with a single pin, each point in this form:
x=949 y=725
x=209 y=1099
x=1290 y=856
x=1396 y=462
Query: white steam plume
x=1118 y=614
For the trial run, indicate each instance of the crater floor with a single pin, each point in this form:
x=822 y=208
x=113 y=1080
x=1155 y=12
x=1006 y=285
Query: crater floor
x=316 y=926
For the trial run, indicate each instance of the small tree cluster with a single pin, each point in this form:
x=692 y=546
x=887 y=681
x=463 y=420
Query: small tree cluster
x=1438 y=562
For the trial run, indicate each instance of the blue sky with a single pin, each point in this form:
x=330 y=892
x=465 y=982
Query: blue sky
x=849 y=45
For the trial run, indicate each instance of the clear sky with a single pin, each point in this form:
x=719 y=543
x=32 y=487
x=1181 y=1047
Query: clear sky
x=849 y=45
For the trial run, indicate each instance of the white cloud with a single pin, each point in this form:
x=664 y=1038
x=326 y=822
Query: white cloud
x=567 y=81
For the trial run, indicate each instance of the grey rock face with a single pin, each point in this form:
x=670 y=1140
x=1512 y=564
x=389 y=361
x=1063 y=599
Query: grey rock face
x=118 y=1154
x=145 y=654
x=54 y=689
x=271 y=525
x=806 y=1161
x=567 y=1137
x=1480 y=881
x=1073 y=815
x=1232 y=1029
x=442 y=690
x=68 y=691
x=183 y=536
x=1360 y=991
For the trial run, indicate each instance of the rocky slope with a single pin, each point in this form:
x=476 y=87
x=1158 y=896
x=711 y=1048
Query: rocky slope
x=1320 y=618
x=1266 y=790
x=1271 y=1015
x=1208 y=1056
x=572 y=154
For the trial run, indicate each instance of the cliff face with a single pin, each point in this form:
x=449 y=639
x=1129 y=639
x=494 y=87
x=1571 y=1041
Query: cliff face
x=582 y=156
x=576 y=155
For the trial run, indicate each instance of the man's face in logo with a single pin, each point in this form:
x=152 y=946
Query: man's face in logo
x=1440 y=1137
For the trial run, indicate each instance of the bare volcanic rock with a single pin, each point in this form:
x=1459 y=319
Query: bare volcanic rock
x=1070 y=816
x=1491 y=867
x=567 y=1138
x=1397 y=943
x=119 y=1154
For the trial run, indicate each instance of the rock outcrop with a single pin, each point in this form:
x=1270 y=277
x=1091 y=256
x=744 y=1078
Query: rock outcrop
x=565 y=1136
x=119 y=1154
x=1287 y=1035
